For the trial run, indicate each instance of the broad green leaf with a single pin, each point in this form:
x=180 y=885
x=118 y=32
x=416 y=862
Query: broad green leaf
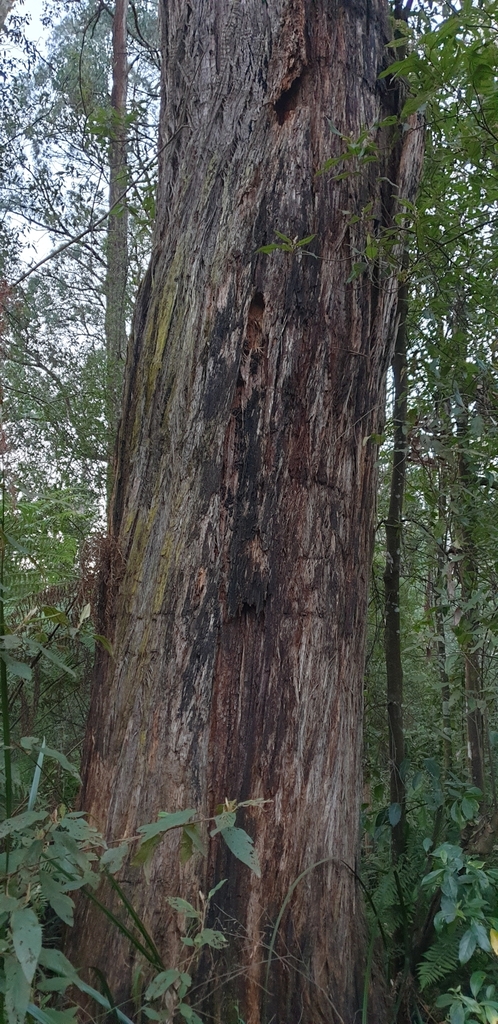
x=468 y=943
x=55 y=961
x=394 y=814
x=470 y=808
x=186 y=848
x=16 y=668
x=481 y=936
x=493 y=938
x=17 y=991
x=59 y=984
x=457 y=1014
x=8 y=903
x=242 y=846
x=104 y=642
x=197 y=840
x=224 y=820
x=445 y=1000
x=476 y=982
x=145 y=851
x=161 y=983
x=183 y=907
x=210 y=937
x=49 y=1016
x=186 y=982
x=27 y=938
x=113 y=858
x=189 y=1014
x=165 y=822
x=101 y=1000
x=10 y=641
x=61 y=904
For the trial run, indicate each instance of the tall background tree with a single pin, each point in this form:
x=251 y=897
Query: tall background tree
x=242 y=514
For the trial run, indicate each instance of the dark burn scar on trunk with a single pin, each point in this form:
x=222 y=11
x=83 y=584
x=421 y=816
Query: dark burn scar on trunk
x=288 y=101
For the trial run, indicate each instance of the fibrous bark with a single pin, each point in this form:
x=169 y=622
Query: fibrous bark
x=245 y=487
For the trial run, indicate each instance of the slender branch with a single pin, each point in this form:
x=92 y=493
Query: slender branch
x=100 y=220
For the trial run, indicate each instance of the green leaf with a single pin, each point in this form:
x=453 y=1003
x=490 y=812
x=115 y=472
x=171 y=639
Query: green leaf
x=61 y=904
x=16 y=668
x=113 y=858
x=481 y=936
x=194 y=834
x=394 y=814
x=224 y=820
x=17 y=991
x=457 y=1014
x=165 y=822
x=242 y=846
x=268 y=248
x=470 y=808
x=476 y=982
x=10 y=642
x=161 y=983
x=47 y=653
x=27 y=939
x=49 y=1016
x=189 y=1014
x=416 y=103
x=218 y=886
x=55 y=961
x=210 y=937
x=145 y=852
x=32 y=743
x=468 y=943
x=104 y=642
x=183 y=907
x=8 y=904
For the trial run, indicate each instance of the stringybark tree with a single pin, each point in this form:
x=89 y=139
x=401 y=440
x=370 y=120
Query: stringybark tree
x=243 y=508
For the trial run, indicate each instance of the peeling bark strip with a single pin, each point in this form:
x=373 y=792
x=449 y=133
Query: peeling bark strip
x=245 y=490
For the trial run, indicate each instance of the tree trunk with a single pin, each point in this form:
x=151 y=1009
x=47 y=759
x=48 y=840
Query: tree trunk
x=117 y=225
x=245 y=489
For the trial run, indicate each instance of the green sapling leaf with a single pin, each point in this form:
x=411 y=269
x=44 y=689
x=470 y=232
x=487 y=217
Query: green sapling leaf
x=27 y=939
x=242 y=846
x=161 y=983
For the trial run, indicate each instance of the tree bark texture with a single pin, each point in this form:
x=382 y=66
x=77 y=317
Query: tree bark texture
x=392 y=575
x=244 y=499
x=117 y=225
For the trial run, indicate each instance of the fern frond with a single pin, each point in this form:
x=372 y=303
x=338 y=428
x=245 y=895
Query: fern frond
x=439 y=961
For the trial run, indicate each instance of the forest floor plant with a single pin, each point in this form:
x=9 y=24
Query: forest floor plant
x=436 y=909
x=49 y=854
